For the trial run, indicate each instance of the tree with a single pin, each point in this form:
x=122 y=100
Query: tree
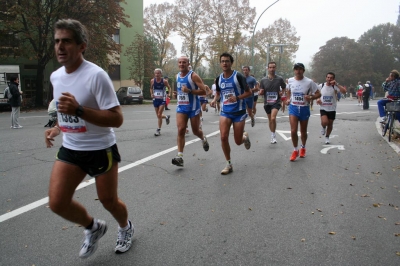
x=191 y=23
x=142 y=54
x=159 y=25
x=383 y=43
x=349 y=60
x=32 y=21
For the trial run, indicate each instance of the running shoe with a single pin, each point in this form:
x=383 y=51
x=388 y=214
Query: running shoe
x=323 y=131
x=90 y=242
x=206 y=109
x=178 y=161
x=17 y=127
x=124 y=240
x=246 y=142
x=206 y=146
x=273 y=140
x=167 y=119
x=253 y=122
x=228 y=169
x=302 y=152
x=295 y=154
x=327 y=140
x=201 y=119
x=158 y=132
x=383 y=120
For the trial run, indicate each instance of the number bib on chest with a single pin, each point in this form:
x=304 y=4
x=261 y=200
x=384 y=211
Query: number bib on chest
x=327 y=100
x=158 y=95
x=70 y=123
x=226 y=94
x=298 y=99
x=272 y=97
x=183 y=98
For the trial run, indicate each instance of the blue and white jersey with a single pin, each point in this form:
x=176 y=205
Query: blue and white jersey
x=159 y=90
x=187 y=101
x=228 y=87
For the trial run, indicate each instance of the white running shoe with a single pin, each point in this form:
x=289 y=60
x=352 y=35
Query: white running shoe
x=327 y=140
x=228 y=169
x=323 y=131
x=124 y=240
x=167 y=119
x=383 y=120
x=247 y=143
x=273 y=140
x=90 y=242
x=158 y=132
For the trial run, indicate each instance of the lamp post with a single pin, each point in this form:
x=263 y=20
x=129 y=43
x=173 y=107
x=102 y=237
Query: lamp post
x=254 y=30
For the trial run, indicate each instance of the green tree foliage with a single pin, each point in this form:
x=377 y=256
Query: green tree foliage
x=32 y=21
x=142 y=55
x=383 y=43
x=349 y=60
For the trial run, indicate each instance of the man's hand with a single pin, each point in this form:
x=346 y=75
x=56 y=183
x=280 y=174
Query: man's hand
x=49 y=135
x=67 y=104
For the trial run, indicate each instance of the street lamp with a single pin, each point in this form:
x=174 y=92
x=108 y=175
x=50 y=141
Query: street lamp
x=254 y=30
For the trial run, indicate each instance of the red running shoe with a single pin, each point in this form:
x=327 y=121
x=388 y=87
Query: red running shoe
x=302 y=152
x=295 y=154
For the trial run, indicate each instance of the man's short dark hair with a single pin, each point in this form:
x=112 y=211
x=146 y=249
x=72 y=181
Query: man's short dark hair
x=299 y=65
x=226 y=55
x=330 y=73
x=13 y=78
x=395 y=73
x=272 y=62
x=246 y=67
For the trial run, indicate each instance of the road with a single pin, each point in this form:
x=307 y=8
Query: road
x=337 y=206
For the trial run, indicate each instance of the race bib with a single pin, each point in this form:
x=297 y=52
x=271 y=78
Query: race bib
x=298 y=99
x=70 y=123
x=183 y=98
x=226 y=94
x=272 y=97
x=158 y=95
x=327 y=100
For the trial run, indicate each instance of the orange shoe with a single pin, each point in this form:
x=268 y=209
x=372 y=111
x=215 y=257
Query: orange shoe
x=302 y=152
x=295 y=154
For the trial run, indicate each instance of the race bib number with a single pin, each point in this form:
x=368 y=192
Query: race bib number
x=272 y=97
x=327 y=100
x=158 y=95
x=183 y=98
x=298 y=99
x=226 y=94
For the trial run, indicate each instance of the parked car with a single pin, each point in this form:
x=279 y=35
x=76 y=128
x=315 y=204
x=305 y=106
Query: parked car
x=127 y=95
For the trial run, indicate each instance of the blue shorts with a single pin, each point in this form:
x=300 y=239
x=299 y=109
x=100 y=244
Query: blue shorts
x=190 y=114
x=157 y=103
x=234 y=117
x=302 y=112
x=249 y=102
x=203 y=101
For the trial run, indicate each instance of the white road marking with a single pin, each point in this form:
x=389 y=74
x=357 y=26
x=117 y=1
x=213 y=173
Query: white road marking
x=89 y=182
x=328 y=147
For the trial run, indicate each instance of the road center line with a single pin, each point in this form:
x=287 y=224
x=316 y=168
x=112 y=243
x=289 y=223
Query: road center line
x=91 y=181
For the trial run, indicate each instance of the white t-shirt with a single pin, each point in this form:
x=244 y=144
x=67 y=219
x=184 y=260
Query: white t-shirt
x=299 y=88
x=328 y=97
x=91 y=87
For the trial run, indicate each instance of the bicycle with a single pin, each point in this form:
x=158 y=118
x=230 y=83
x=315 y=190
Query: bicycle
x=391 y=110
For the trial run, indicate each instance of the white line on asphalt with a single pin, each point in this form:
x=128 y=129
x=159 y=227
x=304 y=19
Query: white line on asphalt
x=89 y=182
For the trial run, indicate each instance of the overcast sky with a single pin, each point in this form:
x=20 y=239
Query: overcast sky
x=317 y=21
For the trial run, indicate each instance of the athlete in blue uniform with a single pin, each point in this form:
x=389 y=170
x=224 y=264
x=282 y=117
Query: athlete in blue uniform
x=189 y=87
x=252 y=83
x=158 y=93
x=203 y=102
x=233 y=90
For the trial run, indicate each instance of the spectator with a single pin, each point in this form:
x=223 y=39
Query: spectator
x=15 y=102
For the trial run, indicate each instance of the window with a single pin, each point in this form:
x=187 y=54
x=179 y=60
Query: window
x=116 y=36
x=114 y=71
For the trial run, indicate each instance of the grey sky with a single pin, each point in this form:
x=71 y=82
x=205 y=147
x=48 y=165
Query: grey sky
x=318 y=21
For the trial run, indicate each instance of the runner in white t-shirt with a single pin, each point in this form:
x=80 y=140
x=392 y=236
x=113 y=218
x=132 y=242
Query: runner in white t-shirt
x=328 y=102
x=300 y=91
x=87 y=109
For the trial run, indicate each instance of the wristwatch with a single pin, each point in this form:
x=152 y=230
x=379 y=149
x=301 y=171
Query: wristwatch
x=79 y=111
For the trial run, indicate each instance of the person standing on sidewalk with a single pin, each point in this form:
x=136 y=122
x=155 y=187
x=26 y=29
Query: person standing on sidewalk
x=232 y=87
x=189 y=87
x=158 y=87
x=328 y=103
x=301 y=91
x=15 y=102
x=88 y=109
x=271 y=87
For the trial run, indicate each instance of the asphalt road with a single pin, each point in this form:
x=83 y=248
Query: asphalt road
x=337 y=206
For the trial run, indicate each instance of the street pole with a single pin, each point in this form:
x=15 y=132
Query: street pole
x=254 y=30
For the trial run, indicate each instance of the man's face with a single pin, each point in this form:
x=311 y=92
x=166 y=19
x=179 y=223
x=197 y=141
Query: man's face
x=391 y=76
x=246 y=71
x=68 y=52
x=183 y=64
x=329 y=78
x=299 y=72
x=225 y=63
x=271 y=69
x=17 y=81
x=157 y=74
